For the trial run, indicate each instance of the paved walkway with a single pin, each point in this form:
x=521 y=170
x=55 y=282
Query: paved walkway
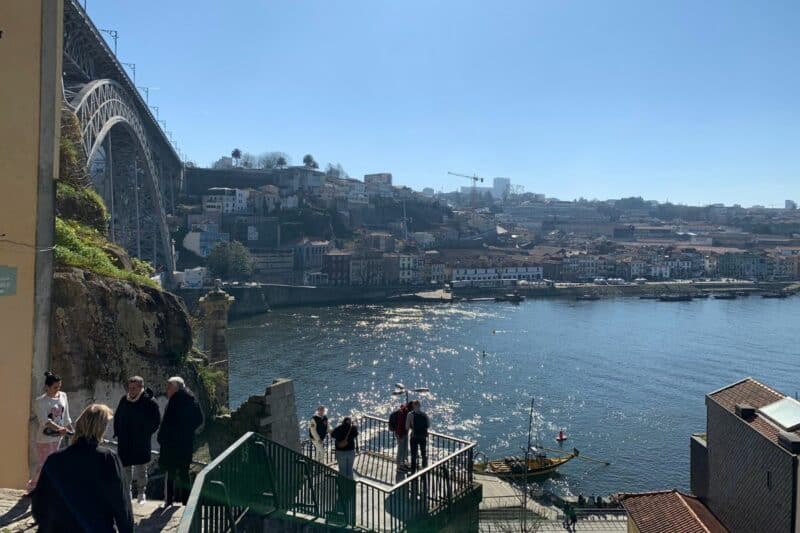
x=15 y=515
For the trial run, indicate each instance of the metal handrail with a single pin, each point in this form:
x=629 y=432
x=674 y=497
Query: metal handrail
x=441 y=435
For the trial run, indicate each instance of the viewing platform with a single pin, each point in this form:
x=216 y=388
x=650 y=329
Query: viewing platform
x=257 y=480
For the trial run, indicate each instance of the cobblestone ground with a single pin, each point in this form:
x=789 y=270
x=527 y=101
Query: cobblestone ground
x=15 y=514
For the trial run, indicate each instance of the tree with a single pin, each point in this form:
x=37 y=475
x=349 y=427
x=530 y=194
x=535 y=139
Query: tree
x=308 y=160
x=230 y=260
x=336 y=171
x=269 y=160
x=190 y=164
x=248 y=160
x=235 y=155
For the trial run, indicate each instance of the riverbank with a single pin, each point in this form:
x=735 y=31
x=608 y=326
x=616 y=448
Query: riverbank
x=258 y=299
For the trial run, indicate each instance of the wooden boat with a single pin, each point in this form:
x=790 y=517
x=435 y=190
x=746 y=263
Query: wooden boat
x=675 y=298
x=725 y=296
x=514 y=298
x=515 y=468
x=701 y=295
x=775 y=295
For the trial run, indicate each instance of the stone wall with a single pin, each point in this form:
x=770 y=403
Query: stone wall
x=273 y=415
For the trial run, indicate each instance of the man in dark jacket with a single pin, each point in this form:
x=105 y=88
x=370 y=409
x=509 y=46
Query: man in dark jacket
x=135 y=421
x=80 y=488
x=182 y=417
x=418 y=423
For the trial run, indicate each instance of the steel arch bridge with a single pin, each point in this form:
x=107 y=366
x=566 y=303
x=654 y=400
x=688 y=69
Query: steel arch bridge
x=132 y=162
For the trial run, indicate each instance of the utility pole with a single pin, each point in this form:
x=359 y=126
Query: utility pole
x=146 y=94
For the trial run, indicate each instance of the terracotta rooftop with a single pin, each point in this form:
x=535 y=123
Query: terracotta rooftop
x=670 y=512
x=757 y=395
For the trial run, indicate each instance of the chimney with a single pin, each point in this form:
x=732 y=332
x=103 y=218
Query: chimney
x=790 y=441
x=745 y=411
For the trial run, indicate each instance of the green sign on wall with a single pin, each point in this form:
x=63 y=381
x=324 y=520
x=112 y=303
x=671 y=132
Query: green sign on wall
x=8 y=280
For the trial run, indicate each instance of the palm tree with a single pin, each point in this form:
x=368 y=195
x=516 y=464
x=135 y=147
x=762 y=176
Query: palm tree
x=236 y=154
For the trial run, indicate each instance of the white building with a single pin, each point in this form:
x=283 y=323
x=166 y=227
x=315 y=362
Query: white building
x=500 y=188
x=527 y=273
x=195 y=277
x=225 y=200
x=423 y=238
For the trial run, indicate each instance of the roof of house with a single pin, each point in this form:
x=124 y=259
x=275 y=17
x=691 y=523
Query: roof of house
x=755 y=394
x=670 y=512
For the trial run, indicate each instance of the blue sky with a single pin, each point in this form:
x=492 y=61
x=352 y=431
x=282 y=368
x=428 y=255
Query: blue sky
x=695 y=102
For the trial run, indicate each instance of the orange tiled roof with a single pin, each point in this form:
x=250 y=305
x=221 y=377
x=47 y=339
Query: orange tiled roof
x=757 y=395
x=670 y=512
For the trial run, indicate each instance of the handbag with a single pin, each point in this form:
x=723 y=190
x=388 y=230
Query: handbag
x=342 y=444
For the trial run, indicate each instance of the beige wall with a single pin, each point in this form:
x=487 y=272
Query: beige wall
x=25 y=159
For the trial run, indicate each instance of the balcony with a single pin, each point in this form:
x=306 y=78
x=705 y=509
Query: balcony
x=259 y=481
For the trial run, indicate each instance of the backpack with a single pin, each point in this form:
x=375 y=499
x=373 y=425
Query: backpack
x=393 y=420
x=420 y=424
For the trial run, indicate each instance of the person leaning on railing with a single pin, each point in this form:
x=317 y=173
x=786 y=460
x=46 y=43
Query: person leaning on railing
x=345 y=440
x=80 y=488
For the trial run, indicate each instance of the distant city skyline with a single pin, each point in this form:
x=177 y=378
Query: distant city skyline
x=695 y=103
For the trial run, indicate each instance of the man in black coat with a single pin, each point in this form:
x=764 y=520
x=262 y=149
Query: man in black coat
x=181 y=419
x=135 y=421
x=80 y=487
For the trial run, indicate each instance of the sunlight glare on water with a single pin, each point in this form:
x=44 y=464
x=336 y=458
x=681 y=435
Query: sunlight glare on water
x=625 y=378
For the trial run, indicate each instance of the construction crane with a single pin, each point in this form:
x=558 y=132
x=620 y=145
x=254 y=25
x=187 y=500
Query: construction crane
x=475 y=179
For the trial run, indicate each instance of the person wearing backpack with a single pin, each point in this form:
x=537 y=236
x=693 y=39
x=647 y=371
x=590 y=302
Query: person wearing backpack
x=418 y=423
x=397 y=424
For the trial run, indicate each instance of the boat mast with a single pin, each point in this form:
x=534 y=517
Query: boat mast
x=527 y=471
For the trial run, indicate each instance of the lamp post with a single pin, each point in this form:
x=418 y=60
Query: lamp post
x=146 y=94
x=399 y=389
x=155 y=108
x=114 y=35
x=131 y=66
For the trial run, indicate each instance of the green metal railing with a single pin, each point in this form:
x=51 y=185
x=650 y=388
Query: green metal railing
x=402 y=501
x=256 y=477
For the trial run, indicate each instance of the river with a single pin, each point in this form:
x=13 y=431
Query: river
x=626 y=378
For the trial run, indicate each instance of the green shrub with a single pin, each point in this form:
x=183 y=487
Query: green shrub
x=82 y=204
x=143 y=268
x=72 y=158
x=79 y=246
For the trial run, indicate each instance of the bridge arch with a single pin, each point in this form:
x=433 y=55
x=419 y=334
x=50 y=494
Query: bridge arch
x=102 y=106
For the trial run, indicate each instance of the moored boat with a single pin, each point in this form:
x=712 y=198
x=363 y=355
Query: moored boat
x=675 y=298
x=514 y=298
x=701 y=295
x=587 y=297
x=515 y=467
x=775 y=295
x=725 y=296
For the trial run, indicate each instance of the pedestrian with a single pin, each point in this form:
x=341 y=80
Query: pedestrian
x=418 y=423
x=397 y=424
x=345 y=438
x=182 y=417
x=81 y=487
x=318 y=429
x=52 y=414
x=573 y=518
x=135 y=421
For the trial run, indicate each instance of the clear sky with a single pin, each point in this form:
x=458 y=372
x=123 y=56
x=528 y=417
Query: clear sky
x=695 y=102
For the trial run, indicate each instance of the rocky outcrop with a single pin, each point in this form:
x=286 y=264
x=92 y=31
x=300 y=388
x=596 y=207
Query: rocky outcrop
x=104 y=330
